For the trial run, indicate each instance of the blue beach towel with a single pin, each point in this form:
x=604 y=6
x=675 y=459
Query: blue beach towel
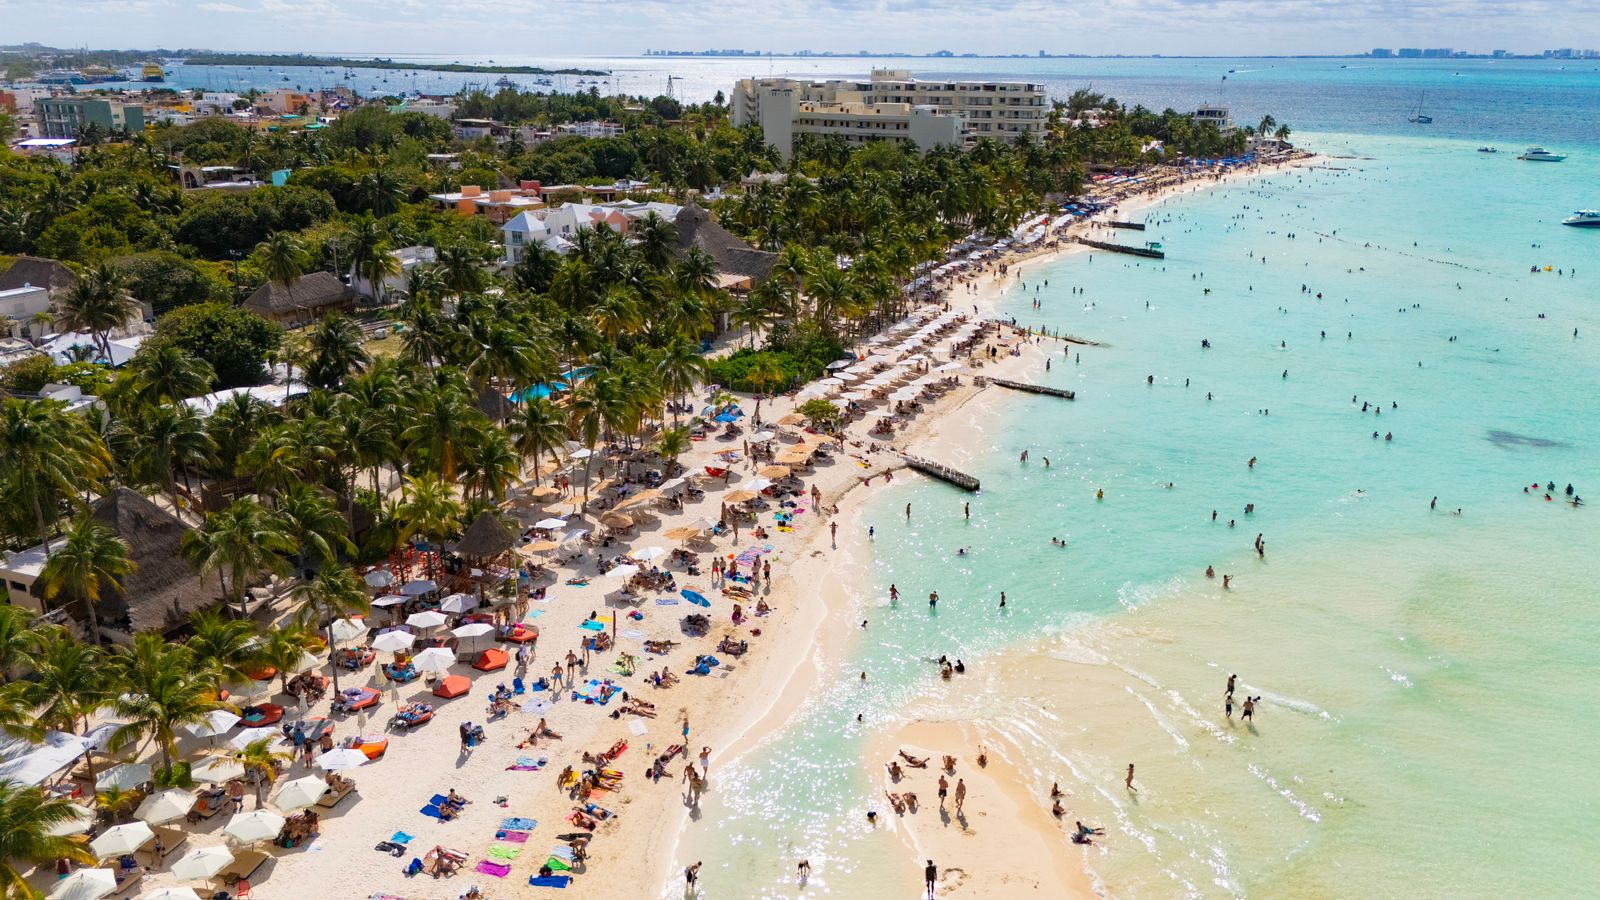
x=551 y=881
x=400 y=837
x=518 y=823
x=592 y=625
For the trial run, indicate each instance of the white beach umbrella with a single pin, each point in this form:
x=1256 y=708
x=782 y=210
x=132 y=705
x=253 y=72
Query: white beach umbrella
x=839 y=363
x=428 y=618
x=85 y=884
x=434 y=659
x=378 y=578
x=341 y=759
x=627 y=571
x=583 y=453
x=82 y=818
x=202 y=862
x=306 y=663
x=902 y=396
x=950 y=367
x=253 y=826
x=217 y=769
x=250 y=735
x=394 y=641
x=831 y=382
x=299 y=793
x=701 y=524
x=120 y=839
x=388 y=600
x=648 y=553
x=761 y=437
x=123 y=777
x=344 y=630
x=846 y=376
x=217 y=722
x=552 y=522
x=418 y=588
x=758 y=484
x=573 y=535
x=672 y=485
x=459 y=603
x=173 y=893
x=472 y=630
x=164 y=806
x=853 y=395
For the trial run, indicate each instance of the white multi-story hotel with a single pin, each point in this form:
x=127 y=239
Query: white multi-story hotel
x=891 y=106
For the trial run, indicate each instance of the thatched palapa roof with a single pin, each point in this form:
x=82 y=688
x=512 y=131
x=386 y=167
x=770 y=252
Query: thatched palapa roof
x=486 y=537
x=696 y=228
x=312 y=291
x=161 y=593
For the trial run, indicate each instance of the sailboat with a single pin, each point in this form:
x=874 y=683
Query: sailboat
x=1419 y=118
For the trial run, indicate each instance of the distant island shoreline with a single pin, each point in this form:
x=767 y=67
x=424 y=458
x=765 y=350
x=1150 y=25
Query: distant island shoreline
x=296 y=59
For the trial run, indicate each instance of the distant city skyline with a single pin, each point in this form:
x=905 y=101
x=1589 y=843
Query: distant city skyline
x=476 y=28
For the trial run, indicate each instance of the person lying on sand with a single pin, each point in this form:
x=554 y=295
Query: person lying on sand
x=913 y=761
x=1085 y=829
x=949 y=763
x=896 y=802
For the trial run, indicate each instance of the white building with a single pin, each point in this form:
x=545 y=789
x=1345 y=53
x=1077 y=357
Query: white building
x=406 y=258
x=891 y=105
x=592 y=129
x=19 y=306
x=557 y=228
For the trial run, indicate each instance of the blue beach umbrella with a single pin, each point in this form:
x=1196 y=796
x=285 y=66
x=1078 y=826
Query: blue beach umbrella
x=695 y=598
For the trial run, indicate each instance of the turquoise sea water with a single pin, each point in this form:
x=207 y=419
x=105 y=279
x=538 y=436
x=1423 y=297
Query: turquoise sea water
x=1427 y=678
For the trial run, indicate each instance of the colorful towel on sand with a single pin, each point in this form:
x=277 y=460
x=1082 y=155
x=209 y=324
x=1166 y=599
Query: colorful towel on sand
x=507 y=853
x=518 y=823
x=400 y=837
x=432 y=810
x=498 y=870
x=551 y=881
x=558 y=865
x=592 y=625
x=525 y=764
x=666 y=601
x=563 y=851
x=511 y=837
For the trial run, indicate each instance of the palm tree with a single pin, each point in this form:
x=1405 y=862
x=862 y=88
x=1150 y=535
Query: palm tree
x=167 y=373
x=656 y=239
x=335 y=593
x=16 y=639
x=170 y=439
x=673 y=443
x=680 y=367
x=1267 y=124
x=223 y=648
x=99 y=303
x=369 y=255
x=260 y=763
x=283 y=260
x=320 y=532
x=459 y=270
x=335 y=347
x=68 y=682
x=238 y=542
x=380 y=192
x=50 y=456
x=430 y=509
x=283 y=648
x=160 y=694
x=488 y=464
x=26 y=816
x=90 y=560
x=539 y=431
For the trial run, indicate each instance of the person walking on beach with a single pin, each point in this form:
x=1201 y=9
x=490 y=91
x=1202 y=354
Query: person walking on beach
x=1129 y=781
x=1231 y=680
x=1248 y=710
x=944 y=790
x=929 y=876
x=961 y=794
x=833 y=533
x=690 y=874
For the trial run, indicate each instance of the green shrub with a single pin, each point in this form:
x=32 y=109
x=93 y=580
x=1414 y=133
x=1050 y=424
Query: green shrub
x=792 y=357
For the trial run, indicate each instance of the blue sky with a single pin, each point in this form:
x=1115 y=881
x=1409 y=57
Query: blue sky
x=463 y=28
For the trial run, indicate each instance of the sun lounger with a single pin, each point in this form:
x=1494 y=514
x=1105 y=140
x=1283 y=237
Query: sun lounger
x=126 y=881
x=491 y=660
x=261 y=716
x=171 y=840
x=331 y=797
x=245 y=863
x=452 y=686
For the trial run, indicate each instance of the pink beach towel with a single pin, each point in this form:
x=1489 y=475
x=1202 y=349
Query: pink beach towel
x=512 y=837
x=495 y=869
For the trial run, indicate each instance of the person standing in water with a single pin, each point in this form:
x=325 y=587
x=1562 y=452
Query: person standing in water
x=1231 y=680
x=1129 y=781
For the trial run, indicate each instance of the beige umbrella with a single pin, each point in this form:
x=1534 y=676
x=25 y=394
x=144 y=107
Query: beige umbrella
x=120 y=839
x=537 y=548
x=85 y=884
x=681 y=534
x=775 y=472
x=544 y=492
x=794 y=457
x=202 y=862
x=617 y=520
x=637 y=499
x=792 y=419
x=739 y=496
x=164 y=806
x=299 y=793
x=253 y=826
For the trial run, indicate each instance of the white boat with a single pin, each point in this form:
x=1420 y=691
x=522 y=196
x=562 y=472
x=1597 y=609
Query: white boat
x=1540 y=154
x=1583 y=218
x=1487 y=150
x=1419 y=118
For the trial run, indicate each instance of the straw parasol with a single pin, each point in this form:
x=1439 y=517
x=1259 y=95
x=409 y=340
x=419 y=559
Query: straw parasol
x=775 y=472
x=683 y=533
x=615 y=519
x=641 y=497
x=792 y=419
x=537 y=548
x=738 y=496
x=486 y=538
x=797 y=456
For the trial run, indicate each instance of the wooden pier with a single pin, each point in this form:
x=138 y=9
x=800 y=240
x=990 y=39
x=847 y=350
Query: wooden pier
x=942 y=472
x=1122 y=248
x=1131 y=226
x=1033 y=388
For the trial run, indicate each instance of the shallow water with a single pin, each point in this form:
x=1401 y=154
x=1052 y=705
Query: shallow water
x=1426 y=711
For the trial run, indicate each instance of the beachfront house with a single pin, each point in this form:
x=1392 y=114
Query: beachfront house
x=406 y=259
x=498 y=206
x=302 y=301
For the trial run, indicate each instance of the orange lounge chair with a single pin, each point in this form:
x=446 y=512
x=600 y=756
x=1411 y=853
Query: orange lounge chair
x=522 y=634
x=374 y=746
x=452 y=686
x=492 y=660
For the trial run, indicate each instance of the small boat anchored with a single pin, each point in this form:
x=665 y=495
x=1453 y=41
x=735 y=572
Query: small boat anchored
x=1419 y=118
x=1487 y=150
x=1583 y=218
x=1540 y=154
